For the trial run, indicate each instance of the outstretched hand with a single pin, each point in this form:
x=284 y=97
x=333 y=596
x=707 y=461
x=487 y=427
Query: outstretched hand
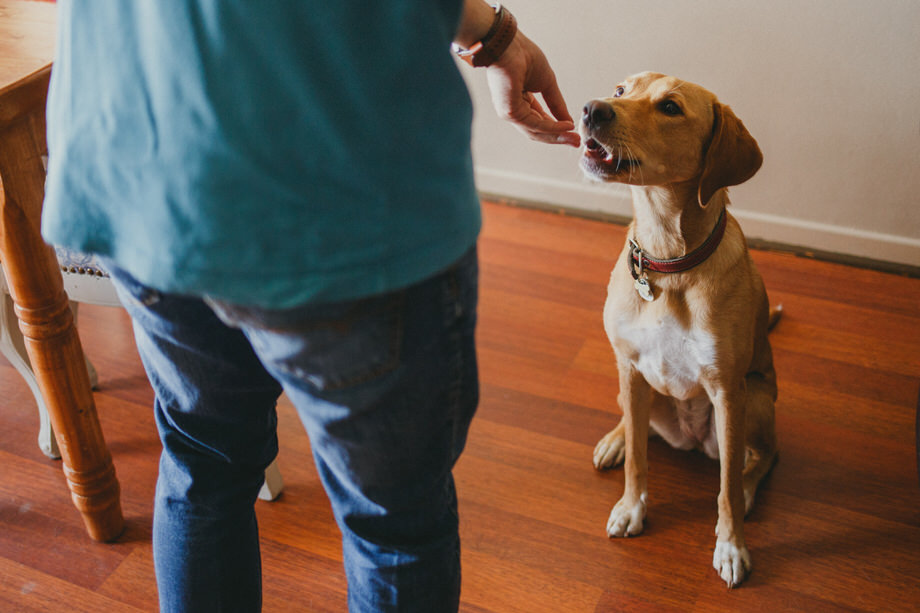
x=521 y=72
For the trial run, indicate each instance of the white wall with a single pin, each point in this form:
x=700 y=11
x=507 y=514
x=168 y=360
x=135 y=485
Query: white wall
x=829 y=88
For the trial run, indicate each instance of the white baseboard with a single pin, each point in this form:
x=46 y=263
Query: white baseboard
x=616 y=201
x=608 y=199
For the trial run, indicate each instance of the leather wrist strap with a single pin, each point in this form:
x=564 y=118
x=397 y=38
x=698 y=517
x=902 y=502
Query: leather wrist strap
x=487 y=51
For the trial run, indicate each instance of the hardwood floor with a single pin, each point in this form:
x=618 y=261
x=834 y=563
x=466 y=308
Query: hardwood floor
x=836 y=526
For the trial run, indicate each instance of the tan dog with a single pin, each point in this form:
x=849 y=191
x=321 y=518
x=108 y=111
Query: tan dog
x=686 y=310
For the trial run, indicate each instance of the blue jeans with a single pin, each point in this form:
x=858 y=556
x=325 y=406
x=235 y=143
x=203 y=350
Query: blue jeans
x=386 y=388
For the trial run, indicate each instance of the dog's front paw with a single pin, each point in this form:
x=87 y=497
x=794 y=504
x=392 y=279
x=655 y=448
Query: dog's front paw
x=626 y=517
x=610 y=450
x=733 y=563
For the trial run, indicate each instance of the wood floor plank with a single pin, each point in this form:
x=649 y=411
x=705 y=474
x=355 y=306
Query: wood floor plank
x=886 y=293
x=24 y=590
x=296 y=579
x=501 y=584
x=130 y=583
x=832 y=408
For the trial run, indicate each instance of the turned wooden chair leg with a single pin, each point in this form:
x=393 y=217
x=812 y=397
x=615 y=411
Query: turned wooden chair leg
x=13 y=348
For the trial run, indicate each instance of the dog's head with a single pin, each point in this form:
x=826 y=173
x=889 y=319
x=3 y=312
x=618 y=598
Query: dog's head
x=659 y=130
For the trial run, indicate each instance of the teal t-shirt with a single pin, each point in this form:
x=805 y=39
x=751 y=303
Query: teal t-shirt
x=264 y=153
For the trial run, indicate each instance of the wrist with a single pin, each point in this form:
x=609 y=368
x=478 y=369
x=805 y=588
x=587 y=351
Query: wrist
x=488 y=49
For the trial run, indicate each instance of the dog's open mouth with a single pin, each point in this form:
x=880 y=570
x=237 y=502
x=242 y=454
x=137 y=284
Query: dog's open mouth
x=606 y=160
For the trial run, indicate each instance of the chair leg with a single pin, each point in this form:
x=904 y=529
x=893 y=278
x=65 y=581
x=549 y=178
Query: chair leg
x=13 y=348
x=52 y=344
x=273 y=485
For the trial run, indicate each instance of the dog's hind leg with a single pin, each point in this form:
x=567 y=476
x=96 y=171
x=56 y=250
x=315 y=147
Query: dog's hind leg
x=760 y=440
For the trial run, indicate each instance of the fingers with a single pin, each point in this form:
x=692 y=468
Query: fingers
x=522 y=72
x=551 y=132
x=541 y=126
x=528 y=115
x=554 y=100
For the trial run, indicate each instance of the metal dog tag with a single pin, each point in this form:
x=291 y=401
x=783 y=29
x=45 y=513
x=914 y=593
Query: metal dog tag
x=644 y=289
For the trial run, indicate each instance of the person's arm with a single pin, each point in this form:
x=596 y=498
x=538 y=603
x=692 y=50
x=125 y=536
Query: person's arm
x=519 y=71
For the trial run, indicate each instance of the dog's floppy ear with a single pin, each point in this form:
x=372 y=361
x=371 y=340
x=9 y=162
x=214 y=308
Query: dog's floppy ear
x=732 y=157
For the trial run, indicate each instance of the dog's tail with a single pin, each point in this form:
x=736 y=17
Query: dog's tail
x=775 y=313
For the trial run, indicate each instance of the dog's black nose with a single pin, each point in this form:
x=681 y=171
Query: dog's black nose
x=597 y=113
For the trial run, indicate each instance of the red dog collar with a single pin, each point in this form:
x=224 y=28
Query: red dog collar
x=640 y=261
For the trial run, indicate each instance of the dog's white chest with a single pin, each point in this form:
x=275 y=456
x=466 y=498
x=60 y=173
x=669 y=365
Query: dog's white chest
x=672 y=359
x=669 y=356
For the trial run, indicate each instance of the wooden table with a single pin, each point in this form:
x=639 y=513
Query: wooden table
x=27 y=31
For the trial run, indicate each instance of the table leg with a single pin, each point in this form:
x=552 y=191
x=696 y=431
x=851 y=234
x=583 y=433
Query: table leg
x=51 y=339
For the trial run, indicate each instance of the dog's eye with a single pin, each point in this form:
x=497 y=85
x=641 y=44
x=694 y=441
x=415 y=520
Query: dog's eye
x=669 y=107
x=619 y=92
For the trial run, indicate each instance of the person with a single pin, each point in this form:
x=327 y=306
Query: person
x=283 y=194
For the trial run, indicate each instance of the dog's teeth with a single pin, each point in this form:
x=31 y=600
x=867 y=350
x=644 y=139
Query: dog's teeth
x=609 y=158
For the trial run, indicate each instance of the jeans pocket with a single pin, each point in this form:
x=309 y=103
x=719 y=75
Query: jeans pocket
x=327 y=347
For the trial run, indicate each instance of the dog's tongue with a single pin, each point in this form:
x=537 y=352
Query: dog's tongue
x=595 y=150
